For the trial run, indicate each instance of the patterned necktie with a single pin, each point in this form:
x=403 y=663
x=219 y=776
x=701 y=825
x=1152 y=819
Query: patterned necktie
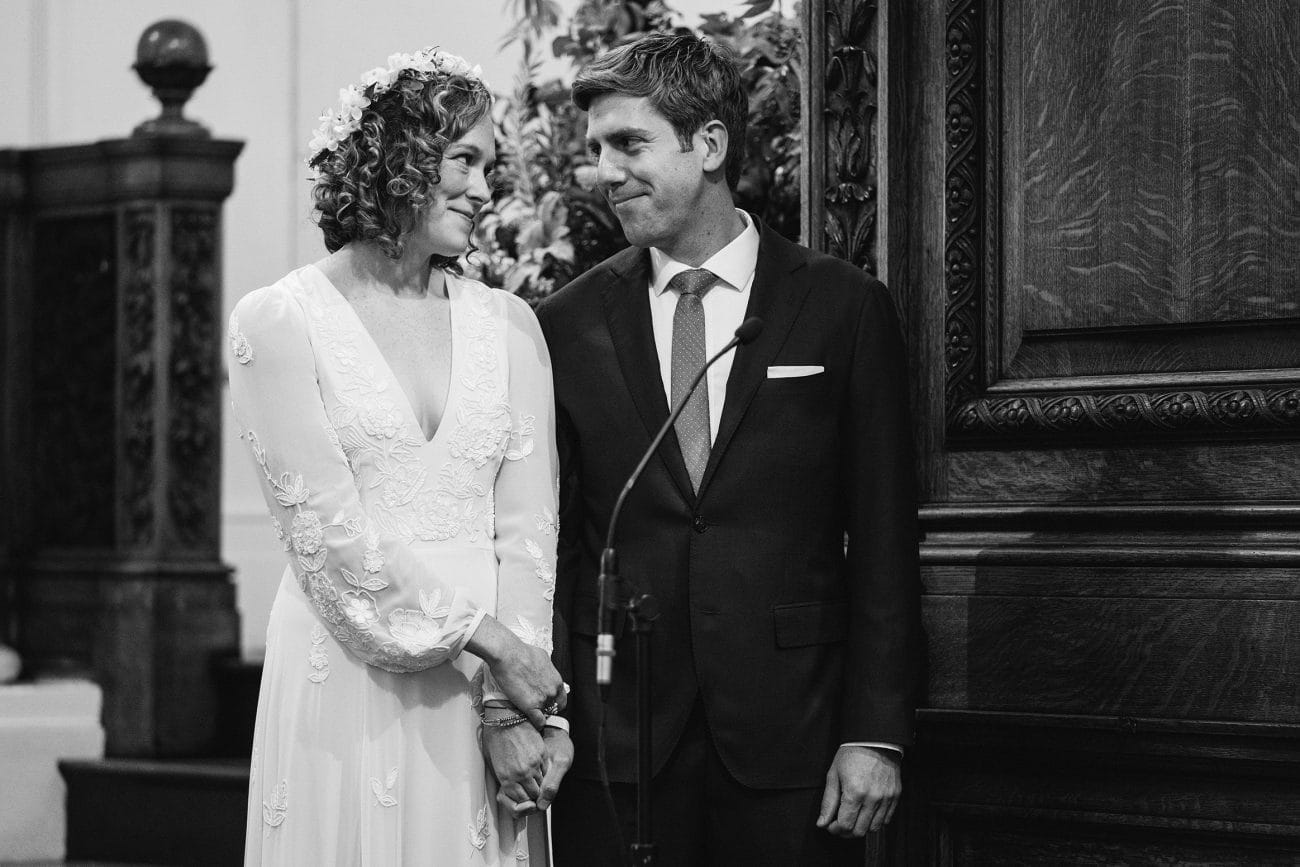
x=688 y=357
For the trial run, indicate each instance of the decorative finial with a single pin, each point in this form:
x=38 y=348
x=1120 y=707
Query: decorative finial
x=172 y=58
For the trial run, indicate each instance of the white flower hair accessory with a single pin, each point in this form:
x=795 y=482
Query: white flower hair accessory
x=336 y=126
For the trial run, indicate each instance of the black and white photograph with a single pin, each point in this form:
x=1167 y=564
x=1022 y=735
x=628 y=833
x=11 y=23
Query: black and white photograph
x=650 y=433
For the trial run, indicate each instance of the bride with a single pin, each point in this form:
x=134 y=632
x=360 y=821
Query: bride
x=400 y=419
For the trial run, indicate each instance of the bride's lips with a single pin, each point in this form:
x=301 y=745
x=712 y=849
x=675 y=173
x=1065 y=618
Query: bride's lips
x=623 y=200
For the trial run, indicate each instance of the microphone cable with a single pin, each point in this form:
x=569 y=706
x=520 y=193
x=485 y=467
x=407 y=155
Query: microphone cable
x=745 y=334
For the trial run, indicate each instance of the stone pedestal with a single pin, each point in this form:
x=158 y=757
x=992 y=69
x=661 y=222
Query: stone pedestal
x=41 y=724
x=111 y=409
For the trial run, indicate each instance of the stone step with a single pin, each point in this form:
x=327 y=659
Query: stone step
x=158 y=812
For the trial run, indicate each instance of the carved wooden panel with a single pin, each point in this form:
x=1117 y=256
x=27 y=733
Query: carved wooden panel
x=194 y=415
x=138 y=376
x=1123 y=212
x=119 y=307
x=72 y=356
x=1033 y=841
x=840 y=188
x=1154 y=150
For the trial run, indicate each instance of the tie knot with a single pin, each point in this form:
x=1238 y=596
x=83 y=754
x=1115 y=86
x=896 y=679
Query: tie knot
x=696 y=282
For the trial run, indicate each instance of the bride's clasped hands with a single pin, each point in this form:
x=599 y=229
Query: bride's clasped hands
x=524 y=738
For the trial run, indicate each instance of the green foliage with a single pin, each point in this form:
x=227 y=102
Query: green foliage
x=547 y=223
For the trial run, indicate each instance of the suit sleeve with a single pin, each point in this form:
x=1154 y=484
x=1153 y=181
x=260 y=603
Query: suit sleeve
x=885 y=640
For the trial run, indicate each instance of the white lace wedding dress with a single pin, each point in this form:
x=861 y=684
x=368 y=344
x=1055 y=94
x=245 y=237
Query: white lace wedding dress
x=366 y=750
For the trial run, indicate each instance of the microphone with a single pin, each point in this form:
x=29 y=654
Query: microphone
x=744 y=335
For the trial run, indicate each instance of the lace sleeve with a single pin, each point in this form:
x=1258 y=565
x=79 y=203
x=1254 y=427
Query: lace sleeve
x=525 y=490
x=379 y=598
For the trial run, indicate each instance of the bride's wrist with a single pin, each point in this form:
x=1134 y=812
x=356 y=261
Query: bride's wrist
x=491 y=642
x=501 y=716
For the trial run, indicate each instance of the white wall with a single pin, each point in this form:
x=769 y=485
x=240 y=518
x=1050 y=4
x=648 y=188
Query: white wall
x=66 y=69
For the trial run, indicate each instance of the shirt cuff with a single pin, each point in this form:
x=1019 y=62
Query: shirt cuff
x=557 y=722
x=474 y=624
x=879 y=745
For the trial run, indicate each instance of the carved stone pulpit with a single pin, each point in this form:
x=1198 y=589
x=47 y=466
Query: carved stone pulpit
x=111 y=409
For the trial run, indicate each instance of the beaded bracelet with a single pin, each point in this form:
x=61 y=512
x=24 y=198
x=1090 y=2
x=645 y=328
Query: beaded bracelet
x=504 y=722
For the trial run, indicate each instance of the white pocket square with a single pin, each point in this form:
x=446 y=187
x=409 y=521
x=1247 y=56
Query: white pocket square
x=793 y=370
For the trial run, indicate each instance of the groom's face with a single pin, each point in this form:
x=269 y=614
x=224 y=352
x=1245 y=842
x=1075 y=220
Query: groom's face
x=653 y=185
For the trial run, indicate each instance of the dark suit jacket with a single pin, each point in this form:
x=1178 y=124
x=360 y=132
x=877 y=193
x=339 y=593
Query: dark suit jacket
x=792 y=646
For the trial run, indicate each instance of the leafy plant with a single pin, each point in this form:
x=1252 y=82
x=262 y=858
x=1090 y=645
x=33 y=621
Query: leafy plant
x=547 y=223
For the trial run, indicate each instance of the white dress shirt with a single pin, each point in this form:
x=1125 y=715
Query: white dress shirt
x=724 y=310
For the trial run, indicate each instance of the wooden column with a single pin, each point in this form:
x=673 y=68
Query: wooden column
x=113 y=429
x=1101 y=214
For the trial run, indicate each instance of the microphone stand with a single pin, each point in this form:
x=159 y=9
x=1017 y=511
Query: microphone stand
x=642 y=609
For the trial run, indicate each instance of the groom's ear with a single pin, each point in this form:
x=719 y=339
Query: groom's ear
x=715 y=139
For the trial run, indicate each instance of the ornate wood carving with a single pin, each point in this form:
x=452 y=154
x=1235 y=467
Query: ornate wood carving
x=978 y=405
x=1240 y=410
x=964 y=170
x=838 y=188
x=121 y=576
x=194 y=391
x=137 y=520
x=850 y=117
x=71 y=359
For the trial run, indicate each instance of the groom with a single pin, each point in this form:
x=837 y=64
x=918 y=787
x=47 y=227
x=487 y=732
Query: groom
x=785 y=665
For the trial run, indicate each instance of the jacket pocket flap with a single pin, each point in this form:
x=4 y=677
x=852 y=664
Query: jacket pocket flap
x=803 y=623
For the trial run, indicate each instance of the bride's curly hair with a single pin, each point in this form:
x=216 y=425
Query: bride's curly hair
x=371 y=186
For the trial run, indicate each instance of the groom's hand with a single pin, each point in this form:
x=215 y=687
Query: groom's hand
x=559 y=758
x=862 y=791
x=517 y=757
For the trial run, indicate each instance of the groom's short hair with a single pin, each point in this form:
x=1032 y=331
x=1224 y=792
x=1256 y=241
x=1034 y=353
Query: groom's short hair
x=689 y=80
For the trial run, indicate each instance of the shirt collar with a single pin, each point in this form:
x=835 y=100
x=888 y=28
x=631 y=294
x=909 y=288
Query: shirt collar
x=734 y=264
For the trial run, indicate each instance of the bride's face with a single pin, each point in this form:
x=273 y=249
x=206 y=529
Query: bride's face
x=443 y=227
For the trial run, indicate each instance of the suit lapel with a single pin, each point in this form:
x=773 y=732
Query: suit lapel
x=775 y=298
x=626 y=298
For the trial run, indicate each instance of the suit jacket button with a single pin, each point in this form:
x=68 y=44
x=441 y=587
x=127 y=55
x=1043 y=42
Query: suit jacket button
x=700 y=525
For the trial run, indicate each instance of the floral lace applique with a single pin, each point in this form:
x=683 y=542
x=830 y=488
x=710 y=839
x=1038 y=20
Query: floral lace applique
x=333 y=436
x=545 y=521
x=239 y=344
x=481 y=430
x=383 y=791
x=537 y=636
x=476 y=689
x=478 y=829
x=418 y=642
x=317 y=658
x=521 y=839
x=373 y=560
x=280 y=534
x=371 y=430
x=275 y=812
x=521 y=437
x=420 y=632
x=542 y=569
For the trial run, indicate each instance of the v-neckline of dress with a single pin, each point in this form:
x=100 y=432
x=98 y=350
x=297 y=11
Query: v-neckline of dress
x=453 y=289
